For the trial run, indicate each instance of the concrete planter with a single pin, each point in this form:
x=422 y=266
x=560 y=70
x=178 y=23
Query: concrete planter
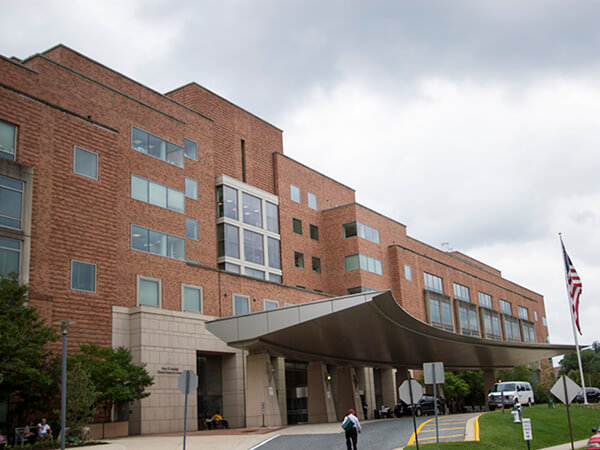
x=109 y=430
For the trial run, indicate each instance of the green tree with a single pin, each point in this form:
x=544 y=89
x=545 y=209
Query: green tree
x=590 y=360
x=81 y=397
x=473 y=379
x=28 y=373
x=455 y=388
x=115 y=377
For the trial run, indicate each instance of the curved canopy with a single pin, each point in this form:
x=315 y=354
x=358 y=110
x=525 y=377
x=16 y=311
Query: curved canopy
x=370 y=329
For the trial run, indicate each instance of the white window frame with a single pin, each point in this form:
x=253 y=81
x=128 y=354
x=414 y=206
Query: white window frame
x=144 y=277
x=191 y=286
x=233 y=296
x=14 y=154
x=75 y=148
x=266 y=301
x=95 y=276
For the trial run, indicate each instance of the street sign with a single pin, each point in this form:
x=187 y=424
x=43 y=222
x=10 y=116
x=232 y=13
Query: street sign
x=433 y=372
x=527 y=433
x=404 y=391
x=187 y=382
x=565 y=390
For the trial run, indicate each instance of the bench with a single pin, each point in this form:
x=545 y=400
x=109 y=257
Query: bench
x=20 y=438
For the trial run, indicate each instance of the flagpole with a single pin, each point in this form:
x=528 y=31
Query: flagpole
x=585 y=402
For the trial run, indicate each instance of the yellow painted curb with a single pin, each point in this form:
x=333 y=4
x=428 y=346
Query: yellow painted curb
x=412 y=438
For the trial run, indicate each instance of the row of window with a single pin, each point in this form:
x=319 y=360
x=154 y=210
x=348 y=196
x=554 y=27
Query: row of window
x=299 y=262
x=252 y=207
x=297 y=228
x=296 y=196
x=363 y=262
x=160 y=148
x=361 y=230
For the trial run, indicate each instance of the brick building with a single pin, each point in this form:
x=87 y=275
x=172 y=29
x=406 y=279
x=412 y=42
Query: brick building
x=141 y=216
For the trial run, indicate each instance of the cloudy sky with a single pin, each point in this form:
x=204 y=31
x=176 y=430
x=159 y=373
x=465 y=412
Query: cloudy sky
x=473 y=122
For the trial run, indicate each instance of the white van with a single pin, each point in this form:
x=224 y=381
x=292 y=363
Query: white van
x=509 y=393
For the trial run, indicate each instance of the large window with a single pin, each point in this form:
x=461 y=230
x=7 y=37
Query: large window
x=511 y=329
x=228 y=241
x=85 y=163
x=274 y=253
x=11 y=202
x=8 y=140
x=152 y=145
x=156 y=242
x=253 y=247
x=491 y=323
x=523 y=313
x=505 y=307
x=252 y=207
x=361 y=230
x=10 y=253
x=363 y=262
x=312 y=201
x=467 y=318
x=191 y=188
x=440 y=313
x=227 y=202
x=191 y=228
x=148 y=291
x=433 y=283
x=528 y=332
x=241 y=304
x=295 y=193
x=190 y=149
x=157 y=194
x=485 y=300
x=461 y=292
x=83 y=276
x=191 y=298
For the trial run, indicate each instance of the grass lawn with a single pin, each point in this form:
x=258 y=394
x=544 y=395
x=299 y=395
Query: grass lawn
x=549 y=427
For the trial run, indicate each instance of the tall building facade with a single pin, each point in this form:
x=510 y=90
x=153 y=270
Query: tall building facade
x=141 y=216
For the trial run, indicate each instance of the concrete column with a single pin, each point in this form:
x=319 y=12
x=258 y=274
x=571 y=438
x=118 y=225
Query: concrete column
x=321 y=407
x=366 y=384
x=388 y=387
x=261 y=388
x=347 y=392
x=279 y=365
x=489 y=378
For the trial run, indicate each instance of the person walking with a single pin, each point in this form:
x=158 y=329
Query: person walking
x=351 y=427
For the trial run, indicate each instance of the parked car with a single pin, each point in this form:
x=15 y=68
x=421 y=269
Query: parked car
x=423 y=406
x=509 y=393
x=592 y=393
x=594 y=441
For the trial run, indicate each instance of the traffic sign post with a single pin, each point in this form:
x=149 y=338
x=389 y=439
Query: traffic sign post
x=186 y=383
x=565 y=390
x=527 y=433
x=410 y=392
x=433 y=374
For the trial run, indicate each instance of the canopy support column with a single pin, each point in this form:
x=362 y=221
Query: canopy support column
x=321 y=406
x=261 y=390
x=347 y=392
x=489 y=378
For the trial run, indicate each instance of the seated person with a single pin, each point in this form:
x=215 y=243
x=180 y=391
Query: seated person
x=44 y=431
x=218 y=418
x=207 y=421
x=29 y=433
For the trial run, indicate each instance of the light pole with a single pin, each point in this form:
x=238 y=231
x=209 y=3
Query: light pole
x=64 y=327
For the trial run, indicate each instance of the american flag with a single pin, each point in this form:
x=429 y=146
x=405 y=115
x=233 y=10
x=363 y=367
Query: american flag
x=574 y=287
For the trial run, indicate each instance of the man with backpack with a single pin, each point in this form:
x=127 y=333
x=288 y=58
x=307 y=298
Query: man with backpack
x=351 y=427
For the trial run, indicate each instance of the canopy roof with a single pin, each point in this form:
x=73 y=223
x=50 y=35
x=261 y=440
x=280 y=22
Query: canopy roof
x=370 y=329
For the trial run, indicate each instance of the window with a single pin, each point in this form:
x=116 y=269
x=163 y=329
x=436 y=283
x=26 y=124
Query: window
x=147 y=143
x=228 y=240
x=505 y=307
x=363 y=262
x=433 y=283
x=297 y=225
x=227 y=202
x=295 y=193
x=253 y=247
x=191 y=298
x=8 y=140
x=85 y=163
x=359 y=289
x=241 y=304
x=407 y=272
x=314 y=232
x=523 y=313
x=275 y=278
x=148 y=291
x=511 y=329
x=83 y=276
x=156 y=242
x=485 y=300
x=274 y=253
x=270 y=304
x=491 y=323
x=461 y=292
x=233 y=268
x=157 y=194
x=190 y=149
x=440 y=313
x=191 y=229
x=10 y=253
x=544 y=321
x=467 y=318
x=312 y=201
x=528 y=332
x=254 y=273
x=11 y=202
x=252 y=210
x=316 y=264
x=243 y=148
x=535 y=315
x=299 y=260
x=191 y=188
x=361 y=230
x=272 y=217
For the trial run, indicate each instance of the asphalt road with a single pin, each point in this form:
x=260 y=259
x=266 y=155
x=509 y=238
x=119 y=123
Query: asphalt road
x=377 y=435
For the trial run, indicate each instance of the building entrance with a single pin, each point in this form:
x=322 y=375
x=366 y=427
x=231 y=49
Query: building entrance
x=210 y=390
x=296 y=388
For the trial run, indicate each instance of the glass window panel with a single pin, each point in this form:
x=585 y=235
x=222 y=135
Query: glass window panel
x=434 y=307
x=270 y=305
x=296 y=226
x=349 y=229
x=174 y=154
x=83 y=276
x=192 y=299
x=232 y=241
x=252 y=207
x=275 y=278
x=523 y=313
x=446 y=313
x=9 y=256
x=351 y=262
x=191 y=149
x=274 y=253
x=139 y=140
x=233 y=268
x=316 y=264
x=85 y=163
x=10 y=205
x=241 y=305
x=314 y=232
x=272 y=217
x=312 y=200
x=407 y=272
x=158 y=194
x=433 y=283
x=299 y=260
x=139 y=238
x=8 y=134
x=253 y=247
x=473 y=320
x=485 y=300
x=295 y=193
x=175 y=200
x=191 y=229
x=139 y=188
x=191 y=188
x=157 y=147
x=148 y=292
x=254 y=273
x=157 y=243
x=176 y=247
